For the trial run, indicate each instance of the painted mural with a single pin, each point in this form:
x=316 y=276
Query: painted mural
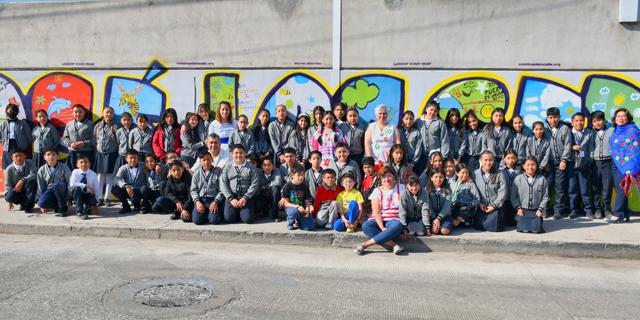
x=155 y=88
x=125 y=93
x=367 y=91
x=480 y=92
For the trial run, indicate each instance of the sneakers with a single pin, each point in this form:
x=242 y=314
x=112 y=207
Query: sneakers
x=350 y=230
x=397 y=249
x=328 y=226
x=359 y=250
x=420 y=233
x=175 y=216
x=290 y=227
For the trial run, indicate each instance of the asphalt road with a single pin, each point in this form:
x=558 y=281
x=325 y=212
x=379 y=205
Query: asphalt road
x=104 y=278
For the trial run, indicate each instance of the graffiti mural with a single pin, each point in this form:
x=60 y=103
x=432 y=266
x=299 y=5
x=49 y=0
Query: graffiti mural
x=57 y=93
x=606 y=93
x=480 y=92
x=299 y=92
x=222 y=86
x=10 y=92
x=133 y=95
x=366 y=91
x=536 y=94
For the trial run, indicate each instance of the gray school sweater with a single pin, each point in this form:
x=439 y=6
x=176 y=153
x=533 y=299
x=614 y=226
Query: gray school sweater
x=434 y=136
x=601 y=149
x=12 y=175
x=106 y=138
x=532 y=196
x=497 y=143
x=124 y=178
x=301 y=144
x=279 y=134
x=351 y=166
x=239 y=181
x=190 y=144
x=46 y=180
x=245 y=139
x=493 y=192
x=139 y=140
x=201 y=187
x=354 y=135
x=155 y=180
x=471 y=143
x=414 y=208
x=561 y=143
x=411 y=140
x=586 y=141
x=76 y=131
x=467 y=194
x=456 y=137
x=22 y=133
x=440 y=203
x=312 y=182
x=44 y=137
x=541 y=150
x=274 y=180
x=519 y=144
x=124 y=140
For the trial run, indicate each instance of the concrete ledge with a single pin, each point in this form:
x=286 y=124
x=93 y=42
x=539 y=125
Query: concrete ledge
x=456 y=243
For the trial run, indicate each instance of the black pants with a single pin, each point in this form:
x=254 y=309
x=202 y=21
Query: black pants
x=245 y=214
x=83 y=200
x=149 y=196
x=266 y=202
x=123 y=196
x=602 y=181
x=166 y=205
x=25 y=198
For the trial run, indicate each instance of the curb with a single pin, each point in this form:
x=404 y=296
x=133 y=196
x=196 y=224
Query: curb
x=342 y=240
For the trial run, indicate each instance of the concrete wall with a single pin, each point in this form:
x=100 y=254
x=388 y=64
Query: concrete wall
x=557 y=34
x=415 y=34
x=185 y=33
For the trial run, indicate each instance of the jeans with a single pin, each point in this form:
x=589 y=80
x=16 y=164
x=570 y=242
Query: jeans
x=393 y=229
x=351 y=215
x=306 y=223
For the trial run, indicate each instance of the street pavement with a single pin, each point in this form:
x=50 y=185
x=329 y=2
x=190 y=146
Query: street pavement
x=50 y=277
x=566 y=238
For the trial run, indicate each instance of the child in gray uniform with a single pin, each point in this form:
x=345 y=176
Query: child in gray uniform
x=414 y=209
x=529 y=196
x=20 y=182
x=78 y=136
x=464 y=196
x=492 y=185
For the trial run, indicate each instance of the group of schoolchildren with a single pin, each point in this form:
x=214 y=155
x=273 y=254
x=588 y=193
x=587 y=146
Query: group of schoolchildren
x=214 y=169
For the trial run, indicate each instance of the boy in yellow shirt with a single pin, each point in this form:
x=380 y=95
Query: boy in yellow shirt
x=350 y=207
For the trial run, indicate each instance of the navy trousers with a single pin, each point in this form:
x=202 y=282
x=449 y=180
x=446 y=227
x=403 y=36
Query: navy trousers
x=602 y=184
x=83 y=200
x=244 y=214
x=207 y=217
x=54 y=197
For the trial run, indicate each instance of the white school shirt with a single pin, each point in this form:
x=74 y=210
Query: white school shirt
x=218 y=162
x=92 y=181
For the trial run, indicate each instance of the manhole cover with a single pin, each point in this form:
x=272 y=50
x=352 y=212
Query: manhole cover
x=169 y=298
x=172 y=295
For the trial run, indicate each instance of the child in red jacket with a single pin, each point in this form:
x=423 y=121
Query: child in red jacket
x=166 y=136
x=326 y=207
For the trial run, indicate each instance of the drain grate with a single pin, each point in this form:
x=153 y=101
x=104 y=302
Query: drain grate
x=172 y=295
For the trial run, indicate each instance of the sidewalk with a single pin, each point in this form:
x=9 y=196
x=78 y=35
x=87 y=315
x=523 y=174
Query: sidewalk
x=567 y=238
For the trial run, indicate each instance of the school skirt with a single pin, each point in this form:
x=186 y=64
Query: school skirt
x=529 y=222
x=119 y=162
x=489 y=222
x=105 y=162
